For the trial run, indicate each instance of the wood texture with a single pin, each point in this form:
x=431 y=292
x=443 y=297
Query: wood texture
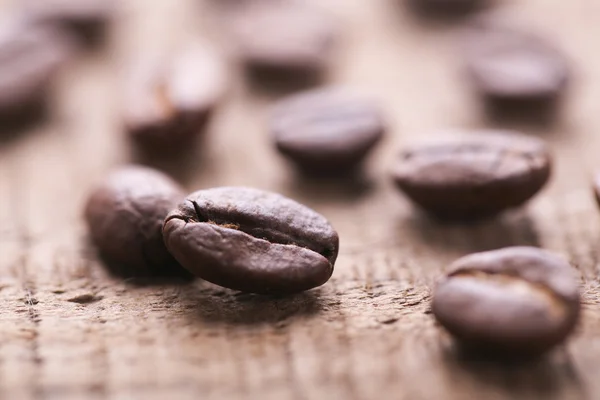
x=69 y=331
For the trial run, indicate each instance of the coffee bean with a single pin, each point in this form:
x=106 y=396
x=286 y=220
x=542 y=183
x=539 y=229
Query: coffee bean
x=283 y=38
x=326 y=130
x=168 y=100
x=252 y=240
x=473 y=175
x=508 y=65
x=125 y=215
x=83 y=17
x=30 y=56
x=516 y=301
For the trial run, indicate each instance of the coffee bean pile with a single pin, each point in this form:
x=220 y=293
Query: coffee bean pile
x=513 y=301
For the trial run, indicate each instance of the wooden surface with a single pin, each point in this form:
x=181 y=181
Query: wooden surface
x=68 y=331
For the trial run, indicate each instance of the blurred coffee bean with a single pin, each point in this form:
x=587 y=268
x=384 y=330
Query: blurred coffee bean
x=473 y=175
x=515 y=302
x=511 y=67
x=87 y=18
x=125 y=214
x=30 y=56
x=283 y=39
x=327 y=130
x=168 y=100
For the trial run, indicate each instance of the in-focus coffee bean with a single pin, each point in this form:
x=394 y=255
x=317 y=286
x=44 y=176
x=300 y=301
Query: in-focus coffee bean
x=168 y=100
x=326 y=130
x=125 y=214
x=251 y=240
x=469 y=176
x=516 y=301
x=30 y=56
x=283 y=38
x=508 y=65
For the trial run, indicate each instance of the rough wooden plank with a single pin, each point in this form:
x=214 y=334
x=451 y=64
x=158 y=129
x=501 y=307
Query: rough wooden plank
x=68 y=331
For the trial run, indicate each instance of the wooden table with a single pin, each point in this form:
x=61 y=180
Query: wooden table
x=69 y=331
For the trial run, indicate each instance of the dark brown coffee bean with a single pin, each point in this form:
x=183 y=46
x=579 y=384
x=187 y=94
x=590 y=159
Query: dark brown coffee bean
x=283 y=38
x=168 y=101
x=517 y=301
x=84 y=17
x=508 y=65
x=125 y=216
x=30 y=56
x=251 y=240
x=473 y=175
x=326 y=130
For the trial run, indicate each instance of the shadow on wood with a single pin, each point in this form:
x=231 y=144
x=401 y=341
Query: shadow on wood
x=181 y=162
x=522 y=114
x=211 y=304
x=276 y=82
x=511 y=229
x=22 y=121
x=340 y=188
x=543 y=377
x=442 y=12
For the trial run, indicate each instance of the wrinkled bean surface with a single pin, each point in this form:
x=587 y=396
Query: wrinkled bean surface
x=518 y=300
x=252 y=240
x=473 y=175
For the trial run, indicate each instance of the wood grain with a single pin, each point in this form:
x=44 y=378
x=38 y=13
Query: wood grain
x=69 y=331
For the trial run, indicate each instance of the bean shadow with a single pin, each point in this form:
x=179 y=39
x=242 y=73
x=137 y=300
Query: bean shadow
x=92 y=34
x=510 y=229
x=544 y=377
x=329 y=188
x=153 y=281
x=168 y=272
x=212 y=304
x=15 y=123
x=524 y=114
x=442 y=13
x=135 y=278
x=274 y=82
x=182 y=161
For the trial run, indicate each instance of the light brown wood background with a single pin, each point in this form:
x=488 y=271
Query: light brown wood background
x=68 y=331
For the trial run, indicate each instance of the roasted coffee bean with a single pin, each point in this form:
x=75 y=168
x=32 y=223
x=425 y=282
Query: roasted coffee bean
x=125 y=215
x=168 y=100
x=30 y=56
x=507 y=65
x=83 y=17
x=516 y=301
x=326 y=130
x=252 y=240
x=473 y=175
x=283 y=38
